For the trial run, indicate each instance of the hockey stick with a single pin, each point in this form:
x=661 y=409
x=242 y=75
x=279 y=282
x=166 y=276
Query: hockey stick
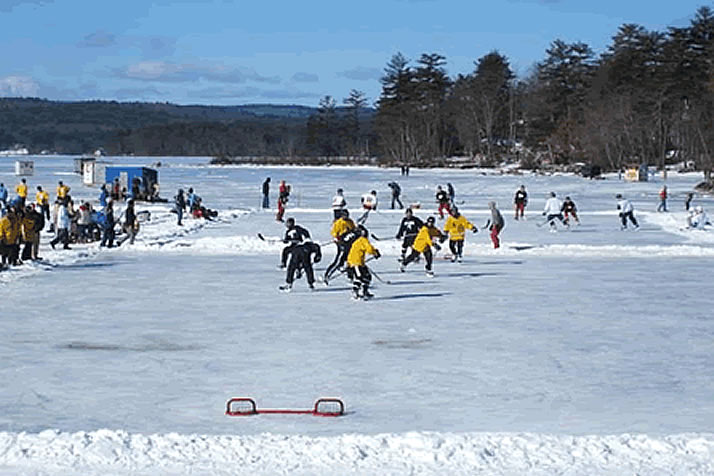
x=384 y=281
x=269 y=240
x=342 y=271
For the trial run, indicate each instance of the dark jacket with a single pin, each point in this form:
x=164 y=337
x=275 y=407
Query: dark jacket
x=296 y=235
x=409 y=226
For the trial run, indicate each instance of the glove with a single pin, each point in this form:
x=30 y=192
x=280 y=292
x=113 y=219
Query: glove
x=543 y=213
x=475 y=230
x=437 y=247
x=318 y=258
x=377 y=254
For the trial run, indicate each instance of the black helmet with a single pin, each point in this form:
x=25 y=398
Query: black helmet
x=430 y=220
x=362 y=230
x=290 y=221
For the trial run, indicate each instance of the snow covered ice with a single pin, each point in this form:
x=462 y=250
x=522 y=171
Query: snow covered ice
x=586 y=351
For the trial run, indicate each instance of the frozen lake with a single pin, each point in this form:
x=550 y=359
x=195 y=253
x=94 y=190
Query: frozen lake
x=589 y=332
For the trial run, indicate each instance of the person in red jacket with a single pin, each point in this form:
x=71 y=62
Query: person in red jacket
x=662 y=207
x=284 y=193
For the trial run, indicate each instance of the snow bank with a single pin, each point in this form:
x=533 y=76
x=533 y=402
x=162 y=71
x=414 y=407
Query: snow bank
x=116 y=452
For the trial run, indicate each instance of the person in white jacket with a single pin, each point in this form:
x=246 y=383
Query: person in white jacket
x=698 y=219
x=553 y=211
x=338 y=204
x=63 y=224
x=627 y=211
x=369 y=203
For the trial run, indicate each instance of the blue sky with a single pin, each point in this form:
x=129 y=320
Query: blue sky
x=283 y=52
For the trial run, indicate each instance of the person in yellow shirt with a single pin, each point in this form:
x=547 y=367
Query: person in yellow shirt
x=21 y=190
x=43 y=201
x=357 y=269
x=340 y=232
x=62 y=190
x=456 y=226
x=423 y=243
x=10 y=237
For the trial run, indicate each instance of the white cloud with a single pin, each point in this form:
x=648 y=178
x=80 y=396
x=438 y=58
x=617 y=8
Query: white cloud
x=162 y=71
x=8 y=5
x=18 y=86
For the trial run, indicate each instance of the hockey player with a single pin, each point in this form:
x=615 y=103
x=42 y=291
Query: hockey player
x=341 y=228
x=495 y=224
x=442 y=198
x=408 y=230
x=301 y=259
x=357 y=269
x=552 y=211
x=422 y=245
x=396 y=193
x=294 y=235
x=569 y=209
x=687 y=201
x=627 y=211
x=698 y=219
x=284 y=194
x=520 y=201
x=456 y=226
x=339 y=204
x=369 y=203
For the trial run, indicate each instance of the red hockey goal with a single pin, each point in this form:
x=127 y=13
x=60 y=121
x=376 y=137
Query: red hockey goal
x=325 y=407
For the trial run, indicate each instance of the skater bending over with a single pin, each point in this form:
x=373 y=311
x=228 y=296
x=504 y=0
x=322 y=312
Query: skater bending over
x=569 y=209
x=369 y=203
x=301 y=259
x=627 y=211
x=423 y=243
x=357 y=269
x=294 y=235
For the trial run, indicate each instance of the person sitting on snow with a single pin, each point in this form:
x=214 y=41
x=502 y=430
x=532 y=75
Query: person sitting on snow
x=698 y=219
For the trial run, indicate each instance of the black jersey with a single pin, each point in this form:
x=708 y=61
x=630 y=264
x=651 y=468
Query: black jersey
x=521 y=197
x=295 y=235
x=410 y=226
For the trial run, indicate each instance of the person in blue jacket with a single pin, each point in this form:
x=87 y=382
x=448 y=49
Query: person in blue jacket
x=3 y=196
x=103 y=196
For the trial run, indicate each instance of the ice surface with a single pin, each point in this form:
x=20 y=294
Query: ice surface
x=586 y=350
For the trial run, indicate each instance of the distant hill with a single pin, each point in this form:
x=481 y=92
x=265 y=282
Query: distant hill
x=150 y=128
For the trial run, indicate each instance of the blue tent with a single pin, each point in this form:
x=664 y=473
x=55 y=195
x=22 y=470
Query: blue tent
x=139 y=181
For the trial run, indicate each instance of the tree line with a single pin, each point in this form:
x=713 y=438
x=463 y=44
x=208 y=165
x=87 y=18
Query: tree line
x=647 y=99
